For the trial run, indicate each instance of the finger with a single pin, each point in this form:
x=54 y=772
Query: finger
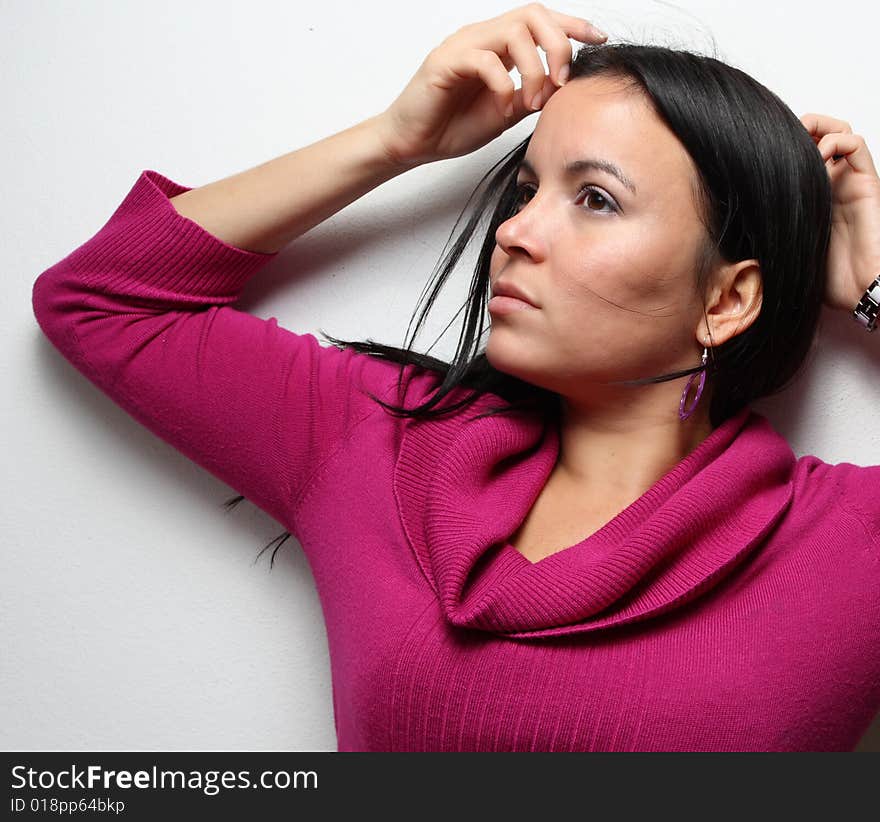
x=852 y=147
x=547 y=33
x=550 y=88
x=577 y=28
x=525 y=55
x=494 y=33
x=486 y=66
x=521 y=109
x=818 y=125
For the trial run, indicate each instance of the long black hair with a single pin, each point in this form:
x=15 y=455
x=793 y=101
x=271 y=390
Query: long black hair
x=762 y=192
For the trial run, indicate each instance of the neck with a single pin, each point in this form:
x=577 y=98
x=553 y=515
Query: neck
x=619 y=454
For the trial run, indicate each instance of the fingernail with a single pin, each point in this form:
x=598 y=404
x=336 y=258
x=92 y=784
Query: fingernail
x=536 y=101
x=599 y=32
x=563 y=75
x=508 y=112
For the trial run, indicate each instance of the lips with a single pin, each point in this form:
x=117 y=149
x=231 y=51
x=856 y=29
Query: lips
x=502 y=288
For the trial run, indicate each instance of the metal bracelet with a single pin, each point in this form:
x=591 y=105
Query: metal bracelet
x=865 y=313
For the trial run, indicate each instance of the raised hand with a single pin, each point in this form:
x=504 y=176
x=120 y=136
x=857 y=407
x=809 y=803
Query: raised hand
x=462 y=95
x=854 y=248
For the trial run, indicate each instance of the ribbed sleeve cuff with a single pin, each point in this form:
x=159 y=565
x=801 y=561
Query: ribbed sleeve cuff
x=148 y=249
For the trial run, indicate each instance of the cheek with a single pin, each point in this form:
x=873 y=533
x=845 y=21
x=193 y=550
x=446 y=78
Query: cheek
x=668 y=241
x=603 y=283
x=639 y=269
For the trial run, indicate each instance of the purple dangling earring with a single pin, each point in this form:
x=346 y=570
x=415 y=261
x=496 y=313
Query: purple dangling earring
x=682 y=414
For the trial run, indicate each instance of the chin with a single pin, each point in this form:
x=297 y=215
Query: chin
x=510 y=358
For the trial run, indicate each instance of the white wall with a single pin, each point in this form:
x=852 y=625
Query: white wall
x=132 y=615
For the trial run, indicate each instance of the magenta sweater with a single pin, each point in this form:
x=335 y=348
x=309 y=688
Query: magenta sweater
x=735 y=606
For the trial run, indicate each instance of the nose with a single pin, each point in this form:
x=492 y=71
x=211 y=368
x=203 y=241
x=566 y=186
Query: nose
x=521 y=233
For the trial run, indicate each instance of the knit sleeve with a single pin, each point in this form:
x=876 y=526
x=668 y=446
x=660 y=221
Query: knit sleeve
x=142 y=310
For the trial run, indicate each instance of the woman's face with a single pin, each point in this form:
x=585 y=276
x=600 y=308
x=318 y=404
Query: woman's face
x=610 y=269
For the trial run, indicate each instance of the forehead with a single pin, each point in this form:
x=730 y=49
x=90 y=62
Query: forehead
x=609 y=119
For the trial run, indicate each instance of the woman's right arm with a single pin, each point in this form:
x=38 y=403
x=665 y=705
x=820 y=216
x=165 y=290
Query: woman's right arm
x=266 y=207
x=144 y=308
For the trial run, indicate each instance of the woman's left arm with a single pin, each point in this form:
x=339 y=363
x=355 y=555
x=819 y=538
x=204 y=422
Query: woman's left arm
x=853 y=261
x=854 y=247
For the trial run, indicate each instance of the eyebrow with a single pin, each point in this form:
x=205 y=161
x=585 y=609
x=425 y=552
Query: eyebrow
x=589 y=164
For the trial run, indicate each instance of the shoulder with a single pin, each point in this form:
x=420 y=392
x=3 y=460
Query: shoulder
x=855 y=488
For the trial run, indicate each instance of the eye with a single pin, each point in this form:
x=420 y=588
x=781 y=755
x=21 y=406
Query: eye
x=593 y=192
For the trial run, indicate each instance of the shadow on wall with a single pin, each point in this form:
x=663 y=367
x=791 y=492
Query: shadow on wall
x=871 y=740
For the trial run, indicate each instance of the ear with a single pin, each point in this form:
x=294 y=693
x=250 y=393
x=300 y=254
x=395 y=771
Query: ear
x=733 y=303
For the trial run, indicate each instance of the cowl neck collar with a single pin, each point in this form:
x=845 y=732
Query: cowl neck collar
x=463 y=486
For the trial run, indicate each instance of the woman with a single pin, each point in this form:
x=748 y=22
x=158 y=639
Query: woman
x=554 y=542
